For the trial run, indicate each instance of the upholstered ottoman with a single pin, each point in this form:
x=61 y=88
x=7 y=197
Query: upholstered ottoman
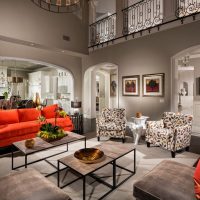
x=29 y=185
x=169 y=180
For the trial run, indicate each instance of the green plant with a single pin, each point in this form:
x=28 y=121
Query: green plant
x=5 y=94
x=51 y=132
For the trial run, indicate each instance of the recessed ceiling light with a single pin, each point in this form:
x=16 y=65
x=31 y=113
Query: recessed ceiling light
x=32 y=44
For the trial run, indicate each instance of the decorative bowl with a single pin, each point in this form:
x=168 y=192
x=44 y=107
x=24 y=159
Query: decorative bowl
x=29 y=143
x=89 y=155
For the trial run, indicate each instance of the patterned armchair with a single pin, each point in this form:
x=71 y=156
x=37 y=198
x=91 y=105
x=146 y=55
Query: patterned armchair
x=172 y=132
x=112 y=123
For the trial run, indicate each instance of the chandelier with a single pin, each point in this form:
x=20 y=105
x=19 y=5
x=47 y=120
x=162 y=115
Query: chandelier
x=59 y=6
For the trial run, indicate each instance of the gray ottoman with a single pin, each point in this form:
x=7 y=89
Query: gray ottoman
x=29 y=185
x=169 y=180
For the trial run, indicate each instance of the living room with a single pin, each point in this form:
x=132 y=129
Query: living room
x=139 y=60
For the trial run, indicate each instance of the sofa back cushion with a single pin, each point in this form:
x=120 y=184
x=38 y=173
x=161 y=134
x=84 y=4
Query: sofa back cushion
x=8 y=116
x=197 y=181
x=28 y=114
x=168 y=119
x=49 y=111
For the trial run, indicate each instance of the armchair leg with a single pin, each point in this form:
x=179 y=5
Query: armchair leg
x=123 y=140
x=173 y=154
x=187 y=148
x=98 y=138
x=148 y=144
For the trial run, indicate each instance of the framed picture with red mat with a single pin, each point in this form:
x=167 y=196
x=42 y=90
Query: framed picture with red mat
x=131 y=85
x=153 y=85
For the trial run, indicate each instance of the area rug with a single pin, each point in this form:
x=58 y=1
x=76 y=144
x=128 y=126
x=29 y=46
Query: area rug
x=146 y=159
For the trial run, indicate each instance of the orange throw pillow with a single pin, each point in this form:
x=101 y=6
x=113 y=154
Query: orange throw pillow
x=49 y=111
x=29 y=114
x=8 y=117
x=197 y=181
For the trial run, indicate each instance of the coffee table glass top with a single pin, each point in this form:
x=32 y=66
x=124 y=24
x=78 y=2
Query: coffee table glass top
x=112 y=151
x=41 y=144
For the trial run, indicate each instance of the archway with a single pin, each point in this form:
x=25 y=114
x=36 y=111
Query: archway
x=56 y=83
x=185 y=90
x=108 y=89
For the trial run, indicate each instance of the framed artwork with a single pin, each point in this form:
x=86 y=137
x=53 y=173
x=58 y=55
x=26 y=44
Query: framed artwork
x=113 y=85
x=131 y=85
x=153 y=85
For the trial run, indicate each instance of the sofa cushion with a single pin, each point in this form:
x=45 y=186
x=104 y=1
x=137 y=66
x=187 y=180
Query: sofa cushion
x=197 y=181
x=18 y=129
x=29 y=184
x=168 y=180
x=49 y=111
x=62 y=122
x=29 y=114
x=8 y=116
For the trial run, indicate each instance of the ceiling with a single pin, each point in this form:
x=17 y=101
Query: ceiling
x=21 y=65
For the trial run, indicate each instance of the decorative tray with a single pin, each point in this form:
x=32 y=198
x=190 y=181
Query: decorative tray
x=89 y=155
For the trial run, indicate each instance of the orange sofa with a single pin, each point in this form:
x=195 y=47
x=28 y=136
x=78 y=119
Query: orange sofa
x=21 y=124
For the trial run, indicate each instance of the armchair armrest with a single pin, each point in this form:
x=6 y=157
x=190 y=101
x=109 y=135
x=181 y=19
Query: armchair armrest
x=155 y=124
x=182 y=136
x=183 y=130
x=100 y=121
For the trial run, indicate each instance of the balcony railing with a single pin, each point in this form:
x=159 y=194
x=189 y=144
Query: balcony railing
x=103 y=30
x=187 y=7
x=142 y=15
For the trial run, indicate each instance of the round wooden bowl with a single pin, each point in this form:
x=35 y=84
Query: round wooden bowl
x=89 y=155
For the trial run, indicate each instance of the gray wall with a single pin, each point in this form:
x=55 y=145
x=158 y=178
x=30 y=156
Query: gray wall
x=147 y=55
x=23 y=20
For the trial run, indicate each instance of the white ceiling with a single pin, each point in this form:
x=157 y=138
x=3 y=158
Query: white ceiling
x=20 y=65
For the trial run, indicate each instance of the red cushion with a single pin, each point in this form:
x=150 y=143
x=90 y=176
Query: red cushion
x=62 y=122
x=29 y=114
x=49 y=111
x=197 y=181
x=8 y=116
x=18 y=129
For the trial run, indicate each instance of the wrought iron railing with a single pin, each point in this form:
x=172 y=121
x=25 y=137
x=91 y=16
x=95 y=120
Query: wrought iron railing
x=142 y=15
x=187 y=7
x=103 y=30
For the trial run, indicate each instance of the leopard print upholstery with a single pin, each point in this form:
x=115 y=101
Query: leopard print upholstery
x=173 y=132
x=112 y=123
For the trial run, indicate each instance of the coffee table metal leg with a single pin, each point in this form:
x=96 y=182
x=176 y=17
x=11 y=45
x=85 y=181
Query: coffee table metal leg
x=85 y=142
x=12 y=158
x=83 y=187
x=67 y=147
x=134 y=160
x=114 y=174
x=25 y=161
x=58 y=174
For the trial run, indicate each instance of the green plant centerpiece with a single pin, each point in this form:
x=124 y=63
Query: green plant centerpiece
x=48 y=131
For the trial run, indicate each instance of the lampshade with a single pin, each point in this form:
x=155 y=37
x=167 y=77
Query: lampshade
x=58 y=6
x=76 y=104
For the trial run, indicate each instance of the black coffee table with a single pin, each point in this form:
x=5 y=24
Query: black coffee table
x=41 y=145
x=113 y=151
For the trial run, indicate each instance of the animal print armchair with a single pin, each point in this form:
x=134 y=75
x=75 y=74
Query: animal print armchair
x=172 y=132
x=112 y=123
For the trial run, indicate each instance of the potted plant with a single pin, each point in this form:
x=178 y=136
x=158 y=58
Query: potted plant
x=48 y=131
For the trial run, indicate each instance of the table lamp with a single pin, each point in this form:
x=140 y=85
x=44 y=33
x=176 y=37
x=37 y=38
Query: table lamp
x=76 y=105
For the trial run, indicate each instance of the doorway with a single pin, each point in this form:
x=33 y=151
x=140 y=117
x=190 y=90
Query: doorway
x=186 y=85
x=100 y=89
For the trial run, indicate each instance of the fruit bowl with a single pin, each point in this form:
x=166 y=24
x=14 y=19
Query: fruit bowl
x=89 y=155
